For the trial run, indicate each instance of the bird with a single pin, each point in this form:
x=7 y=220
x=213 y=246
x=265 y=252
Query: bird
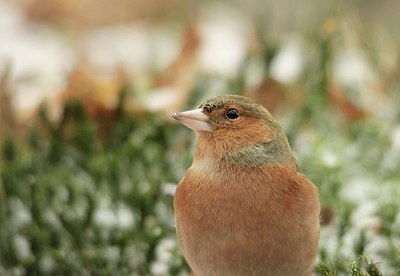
x=244 y=207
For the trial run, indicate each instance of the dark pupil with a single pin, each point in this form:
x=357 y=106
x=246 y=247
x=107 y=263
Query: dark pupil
x=232 y=114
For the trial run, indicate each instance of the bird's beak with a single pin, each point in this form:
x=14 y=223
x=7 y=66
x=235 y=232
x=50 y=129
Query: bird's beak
x=194 y=119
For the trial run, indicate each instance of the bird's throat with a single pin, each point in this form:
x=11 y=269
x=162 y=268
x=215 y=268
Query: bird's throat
x=263 y=153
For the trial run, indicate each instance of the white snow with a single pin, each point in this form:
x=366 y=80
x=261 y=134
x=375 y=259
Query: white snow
x=109 y=48
x=169 y=188
x=37 y=56
x=224 y=39
x=396 y=138
x=161 y=98
x=118 y=215
x=47 y=264
x=352 y=69
x=20 y=213
x=111 y=253
x=159 y=268
x=287 y=65
x=164 y=254
x=330 y=158
x=22 y=248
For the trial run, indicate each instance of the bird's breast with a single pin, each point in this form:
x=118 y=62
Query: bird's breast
x=226 y=218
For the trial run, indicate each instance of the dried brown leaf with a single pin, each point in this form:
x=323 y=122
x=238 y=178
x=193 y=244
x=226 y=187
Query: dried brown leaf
x=349 y=110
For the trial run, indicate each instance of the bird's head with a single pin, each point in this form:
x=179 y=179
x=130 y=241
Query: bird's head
x=236 y=129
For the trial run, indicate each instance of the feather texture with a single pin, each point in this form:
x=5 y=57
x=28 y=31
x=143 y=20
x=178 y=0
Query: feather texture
x=243 y=208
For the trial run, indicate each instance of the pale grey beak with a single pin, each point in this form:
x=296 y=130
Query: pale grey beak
x=194 y=119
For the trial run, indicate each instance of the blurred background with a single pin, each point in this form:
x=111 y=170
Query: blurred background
x=90 y=157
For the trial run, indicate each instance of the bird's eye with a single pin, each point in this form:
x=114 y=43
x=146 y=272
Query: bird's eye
x=232 y=114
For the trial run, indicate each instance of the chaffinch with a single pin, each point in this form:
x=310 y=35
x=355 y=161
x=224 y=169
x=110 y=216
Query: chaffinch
x=244 y=207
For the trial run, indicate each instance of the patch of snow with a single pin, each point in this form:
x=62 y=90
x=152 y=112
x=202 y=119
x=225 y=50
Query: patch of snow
x=51 y=218
x=377 y=247
x=159 y=269
x=62 y=193
x=168 y=188
x=22 y=248
x=10 y=17
x=21 y=215
x=47 y=264
x=224 y=39
x=111 y=253
x=161 y=98
x=287 y=65
x=329 y=158
x=164 y=254
x=135 y=254
x=109 y=216
x=358 y=188
x=166 y=46
x=328 y=235
x=125 y=218
x=105 y=216
x=364 y=215
x=127 y=45
x=396 y=138
x=39 y=59
x=15 y=271
x=303 y=145
x=348 y=241
x=164 y=249
x=352 y=69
